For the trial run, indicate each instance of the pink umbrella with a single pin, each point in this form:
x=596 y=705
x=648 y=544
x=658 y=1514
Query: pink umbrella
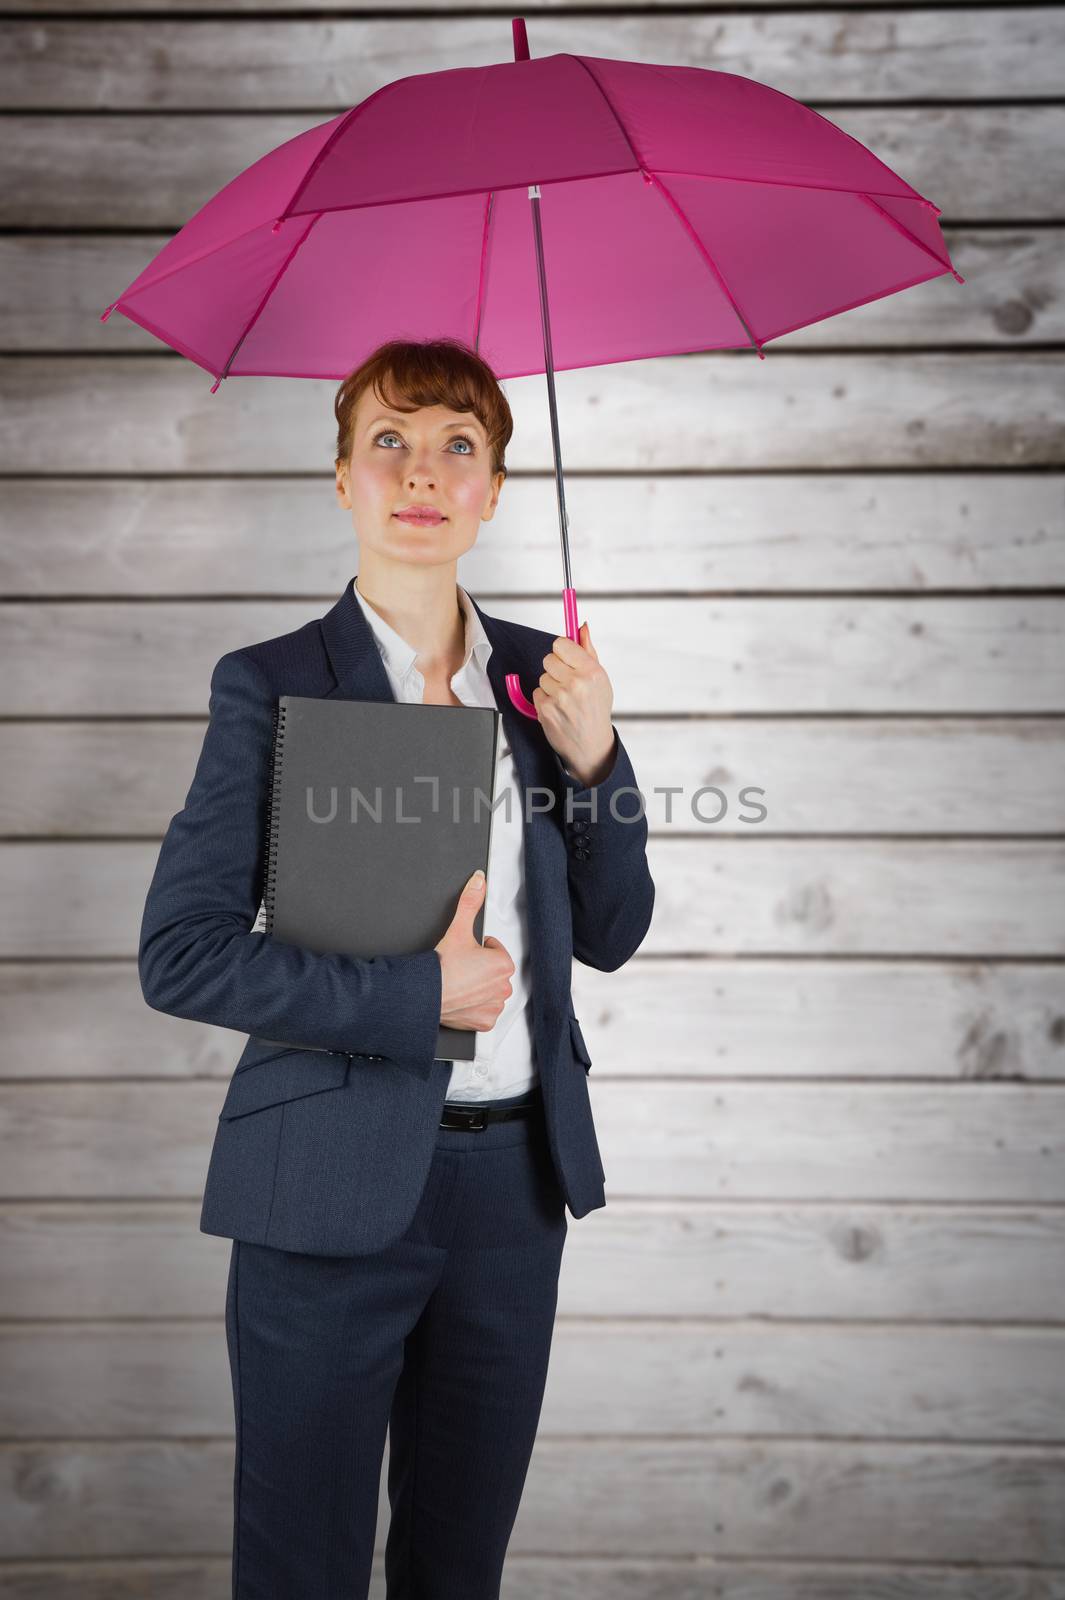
x=685 y=210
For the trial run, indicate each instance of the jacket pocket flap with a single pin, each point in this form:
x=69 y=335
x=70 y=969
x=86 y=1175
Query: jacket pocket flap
x=580 y=1049
x=283 y=1077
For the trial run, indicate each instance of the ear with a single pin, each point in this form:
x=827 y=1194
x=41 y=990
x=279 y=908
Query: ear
x=498 y=481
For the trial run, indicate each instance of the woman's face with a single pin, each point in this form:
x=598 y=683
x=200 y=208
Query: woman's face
x=433 y=456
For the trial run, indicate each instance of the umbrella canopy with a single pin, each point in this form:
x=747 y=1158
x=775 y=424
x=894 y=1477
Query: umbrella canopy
x=683 y=209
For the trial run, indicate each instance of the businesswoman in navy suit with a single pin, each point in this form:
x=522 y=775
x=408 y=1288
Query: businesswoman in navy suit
x=398 y=1221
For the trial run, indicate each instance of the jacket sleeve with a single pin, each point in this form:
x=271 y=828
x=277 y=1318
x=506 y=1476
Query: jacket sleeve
x=198 y=956
x=611 y=890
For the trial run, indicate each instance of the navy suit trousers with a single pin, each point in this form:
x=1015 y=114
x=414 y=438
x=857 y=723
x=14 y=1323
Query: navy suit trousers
x=442 y=1339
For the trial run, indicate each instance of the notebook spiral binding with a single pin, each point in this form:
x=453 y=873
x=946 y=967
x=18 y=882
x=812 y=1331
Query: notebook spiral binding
x=273 y=819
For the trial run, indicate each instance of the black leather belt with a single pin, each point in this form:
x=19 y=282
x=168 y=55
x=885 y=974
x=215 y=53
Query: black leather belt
x=470 y=1119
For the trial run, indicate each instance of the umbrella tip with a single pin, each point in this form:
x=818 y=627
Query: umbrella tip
x=957 y=275
x=215 y=384
x=521 y=42
x=109 y=310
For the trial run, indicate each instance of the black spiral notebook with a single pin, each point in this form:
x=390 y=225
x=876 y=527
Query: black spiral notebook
x=378 y=813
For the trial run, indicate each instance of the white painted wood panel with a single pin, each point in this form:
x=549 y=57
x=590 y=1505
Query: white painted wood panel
x=78 y=170
x=108 y=1380
x=848 y=774
x=720 y=411
x=59 y=285
x=882 y=54
x=933 y=1020
x=716 y=531
x=570 y=1577
x=661 y=1137
x=711 y=1259
x=776 y=655
x=957 y=898
x=799 y=1498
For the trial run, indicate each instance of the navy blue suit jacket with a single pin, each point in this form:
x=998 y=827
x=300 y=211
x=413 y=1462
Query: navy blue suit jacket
x=327 y=1150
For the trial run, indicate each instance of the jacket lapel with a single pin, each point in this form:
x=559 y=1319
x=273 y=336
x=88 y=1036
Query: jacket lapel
x=360 y=674
x=353 y=654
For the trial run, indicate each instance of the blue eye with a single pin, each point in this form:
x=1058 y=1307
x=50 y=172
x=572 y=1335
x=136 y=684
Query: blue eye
x=390 y=433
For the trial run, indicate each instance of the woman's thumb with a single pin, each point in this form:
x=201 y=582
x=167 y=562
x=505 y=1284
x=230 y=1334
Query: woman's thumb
x=469 y=901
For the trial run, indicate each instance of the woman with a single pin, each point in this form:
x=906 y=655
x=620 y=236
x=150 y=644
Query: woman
x=397 y=1221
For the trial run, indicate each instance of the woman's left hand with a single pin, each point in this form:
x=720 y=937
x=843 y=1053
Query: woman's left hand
x=573 y=701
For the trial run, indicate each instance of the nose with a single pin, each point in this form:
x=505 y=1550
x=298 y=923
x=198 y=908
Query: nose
x=420 y=467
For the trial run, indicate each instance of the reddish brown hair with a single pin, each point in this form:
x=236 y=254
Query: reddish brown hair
x=408 y=374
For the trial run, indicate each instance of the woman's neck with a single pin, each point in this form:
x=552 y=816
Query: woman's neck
x=427 y=615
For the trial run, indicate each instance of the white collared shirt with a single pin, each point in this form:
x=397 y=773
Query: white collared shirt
x=504 y=1061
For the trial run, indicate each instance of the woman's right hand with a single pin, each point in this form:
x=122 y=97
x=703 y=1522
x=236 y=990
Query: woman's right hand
x=475 y=978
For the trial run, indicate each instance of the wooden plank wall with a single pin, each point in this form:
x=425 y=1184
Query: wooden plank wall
x=814 y=1346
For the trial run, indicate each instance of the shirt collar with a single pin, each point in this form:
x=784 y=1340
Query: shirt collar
x=400 y=657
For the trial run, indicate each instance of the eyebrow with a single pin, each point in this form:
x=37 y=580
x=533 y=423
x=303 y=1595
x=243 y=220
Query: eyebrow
x=445 y=427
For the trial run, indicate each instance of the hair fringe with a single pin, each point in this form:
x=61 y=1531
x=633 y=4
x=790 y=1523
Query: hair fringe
x=408 y=374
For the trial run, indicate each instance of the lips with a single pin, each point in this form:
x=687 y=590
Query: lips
x=427 y=519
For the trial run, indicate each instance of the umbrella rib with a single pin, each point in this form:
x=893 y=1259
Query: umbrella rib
x=787 y=183
x=342 y=127
x=192 y=261
x=166 y=337
x=484 y=260
x=257 y=313
x=612 y=108
x=224 y=244
x=947 y=265
x=650 y=177
x=653 y=178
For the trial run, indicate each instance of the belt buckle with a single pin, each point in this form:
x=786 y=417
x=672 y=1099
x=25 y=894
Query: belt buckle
x=474 y=1121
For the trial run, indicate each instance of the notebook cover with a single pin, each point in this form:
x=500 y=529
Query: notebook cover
x=379 y=812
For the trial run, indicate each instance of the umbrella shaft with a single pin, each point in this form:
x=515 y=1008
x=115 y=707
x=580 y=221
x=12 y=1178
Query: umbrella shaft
x=549 y=373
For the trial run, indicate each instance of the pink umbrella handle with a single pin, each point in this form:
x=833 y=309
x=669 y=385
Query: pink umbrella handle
x=513 y=679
